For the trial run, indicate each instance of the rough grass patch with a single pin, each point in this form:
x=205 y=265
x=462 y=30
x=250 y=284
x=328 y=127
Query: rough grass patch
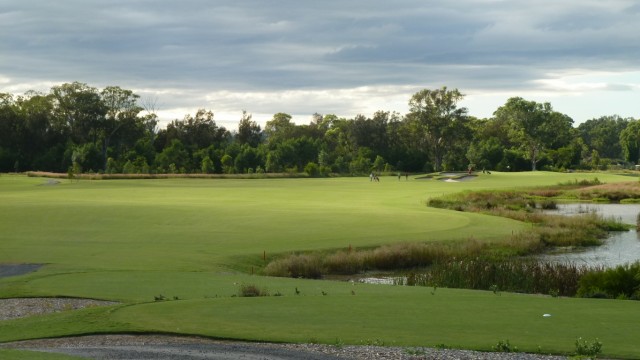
x=308 y=266
x=387 y=257
x=250 y=290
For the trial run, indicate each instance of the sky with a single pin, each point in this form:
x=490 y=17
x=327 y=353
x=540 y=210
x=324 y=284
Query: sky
x=341 y=57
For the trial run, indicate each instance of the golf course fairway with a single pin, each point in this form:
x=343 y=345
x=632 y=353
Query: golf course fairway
x=196 y=241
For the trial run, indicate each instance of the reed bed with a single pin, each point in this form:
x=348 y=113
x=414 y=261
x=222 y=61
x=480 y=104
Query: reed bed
x=516 y=275
x=388 y=257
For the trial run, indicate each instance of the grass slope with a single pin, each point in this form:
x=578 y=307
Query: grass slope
x=130 y=240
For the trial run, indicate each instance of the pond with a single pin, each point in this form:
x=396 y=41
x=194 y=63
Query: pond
x=620 y=248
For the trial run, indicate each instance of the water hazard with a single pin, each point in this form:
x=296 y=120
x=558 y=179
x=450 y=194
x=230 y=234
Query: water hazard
x=620 y=248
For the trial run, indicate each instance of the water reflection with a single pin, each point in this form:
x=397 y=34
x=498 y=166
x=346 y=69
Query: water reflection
x=620 y=248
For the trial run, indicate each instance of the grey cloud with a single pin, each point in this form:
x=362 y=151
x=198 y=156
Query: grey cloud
x=619 y=87
x=203 y=47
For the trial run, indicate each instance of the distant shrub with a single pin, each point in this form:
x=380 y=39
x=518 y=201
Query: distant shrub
x=312 y=169
x=252 y=291
x=548 y=205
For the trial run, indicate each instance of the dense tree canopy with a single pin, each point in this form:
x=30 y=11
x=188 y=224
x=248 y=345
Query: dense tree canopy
x=76 y=127
x=536 y=127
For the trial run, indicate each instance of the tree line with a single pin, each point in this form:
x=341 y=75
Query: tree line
x=77 y=127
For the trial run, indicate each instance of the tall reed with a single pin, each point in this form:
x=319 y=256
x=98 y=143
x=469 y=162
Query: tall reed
x=516 y=275
x=388 y=257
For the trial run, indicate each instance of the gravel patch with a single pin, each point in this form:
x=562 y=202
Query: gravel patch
x=21 y=307
x=188 y=348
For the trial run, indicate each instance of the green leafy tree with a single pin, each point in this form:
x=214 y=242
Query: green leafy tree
x=112 y=166
x=207 y=165
x=175 y=155
x=535 y=126
x=121 y=113
x=249 y=131
x=603 y=135
x=437 y=121
x=248 y=158
x=378 y=164
x=227 y=164
x=272 y=163
x=312 y=169
x=595 y=159
x=78 y=109
x=630 y=142
x=279 y=128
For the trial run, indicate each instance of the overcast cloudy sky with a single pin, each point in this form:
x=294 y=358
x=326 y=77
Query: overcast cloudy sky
x=338 y=57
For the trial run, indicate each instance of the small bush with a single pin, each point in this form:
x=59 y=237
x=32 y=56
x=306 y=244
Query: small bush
x=312 y=169
x=621 y=281
x=549 y=205
x=252 y=291
x=504 y=346
x=590 y=349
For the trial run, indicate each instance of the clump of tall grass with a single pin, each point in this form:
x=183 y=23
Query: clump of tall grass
x=587 y=349
x=309 y=266
x=388 y=257
x=250 y=290
x=514 y=275
x=627 y=191
x=581 y=183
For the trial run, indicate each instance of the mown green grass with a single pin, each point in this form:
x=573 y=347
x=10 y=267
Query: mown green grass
x=204 y=225
x=404 y=317
x=130 y=240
